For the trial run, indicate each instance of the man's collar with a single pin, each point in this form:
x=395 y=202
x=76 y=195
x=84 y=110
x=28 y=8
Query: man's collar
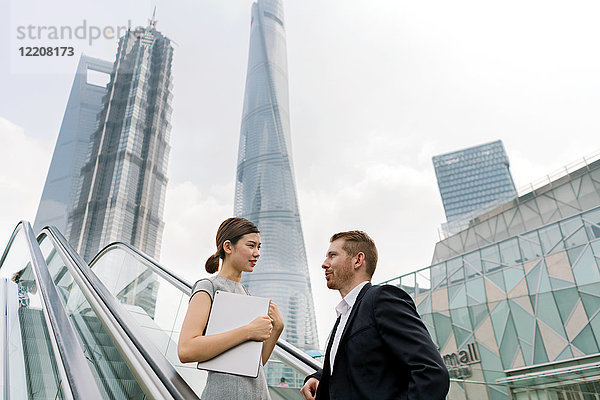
x=349 y=300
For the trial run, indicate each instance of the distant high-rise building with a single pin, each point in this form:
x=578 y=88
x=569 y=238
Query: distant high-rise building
x=265 y=191
x=471 y=179
x=124 y=180
x=71 y=150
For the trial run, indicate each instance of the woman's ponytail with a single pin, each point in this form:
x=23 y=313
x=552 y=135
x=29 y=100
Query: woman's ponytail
x=212 y=264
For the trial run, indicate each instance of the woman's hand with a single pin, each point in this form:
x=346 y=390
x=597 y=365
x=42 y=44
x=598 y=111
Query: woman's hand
x=276 y=317
x=260 y=329
x=277 y=321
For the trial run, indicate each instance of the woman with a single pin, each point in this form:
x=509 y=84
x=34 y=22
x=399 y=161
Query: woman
x=238 y=245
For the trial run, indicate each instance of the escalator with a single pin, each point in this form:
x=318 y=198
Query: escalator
x=104 y=331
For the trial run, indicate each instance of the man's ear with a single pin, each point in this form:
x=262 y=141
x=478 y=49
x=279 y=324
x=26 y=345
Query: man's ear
x=227 y=247
x=360 y=260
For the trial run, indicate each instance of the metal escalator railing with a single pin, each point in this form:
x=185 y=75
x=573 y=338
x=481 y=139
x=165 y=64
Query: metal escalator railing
x=152 y=372
x=159 y=298
x=116 y=307
x=36 y=333
x=113 y=372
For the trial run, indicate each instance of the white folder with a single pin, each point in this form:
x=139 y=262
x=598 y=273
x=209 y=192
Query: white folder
x=230 y=311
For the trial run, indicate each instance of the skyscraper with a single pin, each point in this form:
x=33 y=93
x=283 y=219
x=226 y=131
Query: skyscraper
x=265 y=191
x=471 y=179
x=71 y=150
x=125 y=177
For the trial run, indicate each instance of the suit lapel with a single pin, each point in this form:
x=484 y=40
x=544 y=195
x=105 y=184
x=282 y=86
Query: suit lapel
x=359 y=298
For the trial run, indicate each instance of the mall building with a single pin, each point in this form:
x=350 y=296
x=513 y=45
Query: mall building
x=513 y=300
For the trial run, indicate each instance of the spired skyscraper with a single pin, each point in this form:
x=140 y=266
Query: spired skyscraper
x=265 y=190
x=124 y=180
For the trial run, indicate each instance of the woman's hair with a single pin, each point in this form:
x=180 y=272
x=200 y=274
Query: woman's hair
x=231 y=229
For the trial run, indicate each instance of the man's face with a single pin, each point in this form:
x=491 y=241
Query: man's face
x=338 y=266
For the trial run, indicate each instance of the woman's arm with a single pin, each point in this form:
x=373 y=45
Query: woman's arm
x=269 y=344
x=194 y=347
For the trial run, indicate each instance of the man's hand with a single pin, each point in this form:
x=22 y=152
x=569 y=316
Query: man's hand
x=309 y=390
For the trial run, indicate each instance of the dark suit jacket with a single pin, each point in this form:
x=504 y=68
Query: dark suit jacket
x=385 y=352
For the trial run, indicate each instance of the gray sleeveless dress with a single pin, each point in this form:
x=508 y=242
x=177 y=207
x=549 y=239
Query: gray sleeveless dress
x=221 y=386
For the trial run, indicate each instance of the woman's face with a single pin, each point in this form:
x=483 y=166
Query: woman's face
x=245 y=252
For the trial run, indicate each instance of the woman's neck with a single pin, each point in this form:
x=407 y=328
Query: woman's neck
x=228 y=272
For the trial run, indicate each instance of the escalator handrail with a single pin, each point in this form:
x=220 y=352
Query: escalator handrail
x=78 y=380
x=299 y=355
x=170 y=276
x=186 y=287
x=156 y=363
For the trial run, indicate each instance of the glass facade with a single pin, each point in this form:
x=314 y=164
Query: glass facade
x=122 y=190
x=520 y=316
x=471 y=179
x=71 y=150
x=265 y=190
x=562 y=198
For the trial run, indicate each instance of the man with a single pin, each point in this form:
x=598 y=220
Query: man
x=379 y=348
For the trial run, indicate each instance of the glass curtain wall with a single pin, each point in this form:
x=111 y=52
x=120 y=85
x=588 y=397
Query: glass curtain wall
x=525 y=301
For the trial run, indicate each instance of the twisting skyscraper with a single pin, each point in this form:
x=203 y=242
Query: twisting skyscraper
x=265 y=191
x=123 y=183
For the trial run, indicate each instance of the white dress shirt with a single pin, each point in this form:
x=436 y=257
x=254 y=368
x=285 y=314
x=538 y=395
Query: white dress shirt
x=343 y=310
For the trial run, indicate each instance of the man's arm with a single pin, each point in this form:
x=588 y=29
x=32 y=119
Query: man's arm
x=317 y=375
x=409 y=343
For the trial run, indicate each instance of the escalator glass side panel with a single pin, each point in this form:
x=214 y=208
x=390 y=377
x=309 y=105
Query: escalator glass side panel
x=33 y=370
x=17 y=385
x=110 y=371
x=275 y=369
x=138 y=283
x=157 y=306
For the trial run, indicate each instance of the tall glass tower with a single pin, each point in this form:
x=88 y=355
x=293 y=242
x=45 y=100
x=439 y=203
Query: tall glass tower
x=265 y=191
x=71 y=150
x=123 y=186
x=471 y=180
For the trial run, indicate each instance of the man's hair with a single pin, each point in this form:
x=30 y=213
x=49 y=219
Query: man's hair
x=356 y=242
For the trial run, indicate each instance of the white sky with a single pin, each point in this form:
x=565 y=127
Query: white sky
x=376 y=89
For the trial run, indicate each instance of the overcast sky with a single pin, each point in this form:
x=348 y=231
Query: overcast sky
x=376 y=89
